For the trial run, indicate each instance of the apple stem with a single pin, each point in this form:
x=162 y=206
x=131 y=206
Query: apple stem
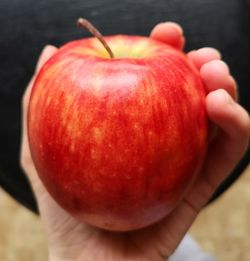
x=82 y=22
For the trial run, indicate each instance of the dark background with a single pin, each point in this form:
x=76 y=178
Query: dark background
x=27 y=25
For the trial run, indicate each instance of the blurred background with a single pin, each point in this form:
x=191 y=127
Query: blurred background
x=26 y=26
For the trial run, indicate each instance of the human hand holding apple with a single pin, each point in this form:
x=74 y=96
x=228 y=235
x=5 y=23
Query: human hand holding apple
x=173 y=226
x=118 y=138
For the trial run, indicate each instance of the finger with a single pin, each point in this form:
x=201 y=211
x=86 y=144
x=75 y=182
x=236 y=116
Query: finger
x=169 y=33
x=46 y=53
x=216 y=75
x=232 y=140
x=203 y=55
x=230 y=117
x=226 y=149
x=25 y=158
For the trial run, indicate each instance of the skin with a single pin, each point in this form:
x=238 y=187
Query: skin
x=230 y=129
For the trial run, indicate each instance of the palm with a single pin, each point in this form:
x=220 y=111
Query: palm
x=72 y=240
x=79 y=240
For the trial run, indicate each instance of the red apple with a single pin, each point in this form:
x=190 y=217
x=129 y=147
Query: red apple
x=118 y=142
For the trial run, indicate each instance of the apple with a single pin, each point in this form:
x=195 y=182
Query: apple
x=118 y=141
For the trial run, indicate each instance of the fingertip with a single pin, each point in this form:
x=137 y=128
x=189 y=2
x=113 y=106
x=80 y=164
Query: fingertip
x=204 y=55
x=220 y=99
x=216 y=74
x=170 y=33
x=216 y=64
x=46 y=53
x=48 y=48
x=215 y=100
x=227 y=114
x=219 y=106
x=174 y=25
x=210 y=52
x=167 y=26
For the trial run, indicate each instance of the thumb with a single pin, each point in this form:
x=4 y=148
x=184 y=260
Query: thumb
x=46 y=53
x=25 y=157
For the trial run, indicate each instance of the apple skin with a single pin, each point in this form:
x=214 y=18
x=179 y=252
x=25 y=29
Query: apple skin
x=118 y=142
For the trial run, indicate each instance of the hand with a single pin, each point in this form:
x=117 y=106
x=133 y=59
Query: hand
x=70 y=240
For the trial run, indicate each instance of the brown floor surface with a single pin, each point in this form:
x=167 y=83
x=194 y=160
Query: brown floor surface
x=223 y=228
